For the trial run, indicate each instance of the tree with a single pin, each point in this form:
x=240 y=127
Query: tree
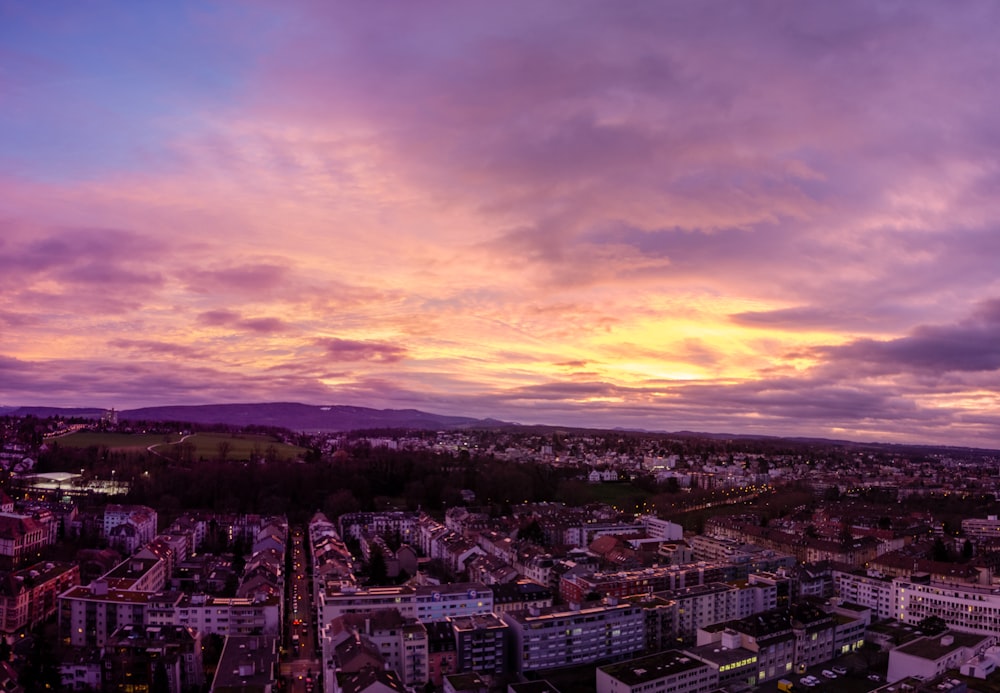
x=967 y=550
x=160 y=683
x=378 y=573
x=532 y=532
x=939 y=552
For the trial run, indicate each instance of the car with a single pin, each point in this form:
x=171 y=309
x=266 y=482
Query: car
x=805 y=681
x=874 y=677
x=829 y=674
x=840 y=671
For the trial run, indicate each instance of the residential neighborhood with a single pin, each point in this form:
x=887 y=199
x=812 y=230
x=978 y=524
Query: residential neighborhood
x=713 y=590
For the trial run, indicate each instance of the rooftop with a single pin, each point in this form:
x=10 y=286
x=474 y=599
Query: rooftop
x=934 y=648
x=652 y=667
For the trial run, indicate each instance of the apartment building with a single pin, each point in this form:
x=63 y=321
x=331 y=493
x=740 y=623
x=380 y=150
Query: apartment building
x=873 y=590
x=127 y=527
x=140 y=657
x=768 y=636
x=425 y=603
x=481 y=643
x=929 y=657
x=402 y=642
x=559 y=637
x=30 y=596
x=228 y=615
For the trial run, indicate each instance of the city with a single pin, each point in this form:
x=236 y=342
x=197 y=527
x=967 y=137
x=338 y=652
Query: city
x=717 y=564
x=499 y=347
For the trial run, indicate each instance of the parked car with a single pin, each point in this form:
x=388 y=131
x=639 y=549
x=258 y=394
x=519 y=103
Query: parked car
x=874 y=677
x=829 y=674
x=840 y=671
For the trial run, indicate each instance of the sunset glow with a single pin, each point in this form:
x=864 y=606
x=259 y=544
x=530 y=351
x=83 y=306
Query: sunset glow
x=774 y=218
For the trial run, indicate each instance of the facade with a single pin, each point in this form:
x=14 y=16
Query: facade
x=769 y=637
x=481 y=643
x=140 y=518
x=21 y=539
x=520 y=594
x=557 y=637
x=736 y=667
x=704 y=605
x=868 y=589
x=29 y=596
x=981 y=530
x=228 y=615
x=965 y=607
x=385 y=524
x=426 y=603
x=89 y=615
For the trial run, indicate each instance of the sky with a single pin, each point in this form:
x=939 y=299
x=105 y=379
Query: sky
x=763 y=217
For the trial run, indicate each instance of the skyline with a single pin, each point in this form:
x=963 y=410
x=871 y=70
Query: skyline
x=753 y=218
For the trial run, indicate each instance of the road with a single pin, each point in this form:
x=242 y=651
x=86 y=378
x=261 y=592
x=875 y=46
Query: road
x=301 y=661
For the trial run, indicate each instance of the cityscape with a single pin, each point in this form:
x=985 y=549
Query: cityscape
x=187 y=557
x=510 y=347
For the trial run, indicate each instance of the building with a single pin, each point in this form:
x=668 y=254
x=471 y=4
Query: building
x=240 y=616
x=520 y=594
x=247 y=665
x=981 y=530
x=426 y=602
x=870 y=589
x=166 y=658
x=89 y=615
x=769 y=636
x=672 y=671
x=21 y=539
x=402 y=642
x=30 y=596
x=141 y=520
x=736 y=667
x=559 y=637
x=481 y=643
x=929 y=657
x=81 y=669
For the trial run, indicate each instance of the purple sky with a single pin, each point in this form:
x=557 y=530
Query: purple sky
x=751 y=217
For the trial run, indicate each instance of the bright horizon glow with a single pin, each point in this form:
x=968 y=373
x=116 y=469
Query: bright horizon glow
x=748 y=218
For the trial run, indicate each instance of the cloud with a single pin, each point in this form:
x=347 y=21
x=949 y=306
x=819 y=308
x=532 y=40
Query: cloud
x=234 y=320
x=246 y=279
x=972 y=345
x=362 y=350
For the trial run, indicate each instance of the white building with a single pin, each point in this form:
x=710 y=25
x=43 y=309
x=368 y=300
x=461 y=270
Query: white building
x=661 y=672
x=140 y=518
x=559 y=637
x=930 y=657
x=426 y=603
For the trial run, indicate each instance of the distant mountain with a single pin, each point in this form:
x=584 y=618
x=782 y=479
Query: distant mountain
x=68 y=412
x=305 y=417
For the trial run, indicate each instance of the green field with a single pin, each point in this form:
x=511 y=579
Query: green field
x=207 y=446
x=240 y=446
x=124 y=442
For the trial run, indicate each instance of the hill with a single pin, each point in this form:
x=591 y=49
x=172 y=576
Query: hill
x=290 y=415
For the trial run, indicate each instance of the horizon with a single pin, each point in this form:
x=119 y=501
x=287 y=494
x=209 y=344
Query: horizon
x=769 y=219
x=523 y=424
